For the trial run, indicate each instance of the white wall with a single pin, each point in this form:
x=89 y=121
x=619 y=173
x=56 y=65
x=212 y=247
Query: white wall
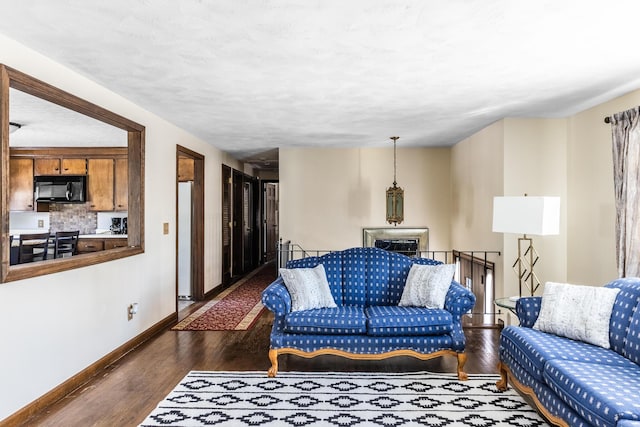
x=29 y=221
x=54 y=326
x=328 y=195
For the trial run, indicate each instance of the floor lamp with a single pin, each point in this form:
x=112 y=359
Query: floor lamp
x=527 y=216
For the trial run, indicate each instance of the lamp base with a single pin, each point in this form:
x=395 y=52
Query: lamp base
x=523 y=266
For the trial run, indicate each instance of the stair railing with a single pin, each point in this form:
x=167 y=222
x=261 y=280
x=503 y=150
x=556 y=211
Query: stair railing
x=475 y=271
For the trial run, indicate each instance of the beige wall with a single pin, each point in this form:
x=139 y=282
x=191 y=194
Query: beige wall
x=54 y=326
x=535 y=157
x=570 y=158
x=509 y=157
x=591 y=229
x=478 y=176
x=328 y=195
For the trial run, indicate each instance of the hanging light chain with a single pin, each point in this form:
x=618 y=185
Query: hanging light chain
x=395 y=194
x=395 y=162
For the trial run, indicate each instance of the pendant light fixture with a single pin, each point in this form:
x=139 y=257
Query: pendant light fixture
x=395 y=195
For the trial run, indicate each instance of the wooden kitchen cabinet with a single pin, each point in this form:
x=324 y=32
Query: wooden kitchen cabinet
x=121 y=196
x=100 y=184
x=115 y=242
x=90 y=245
x=73 y=167
x=46 y=167
x=95 y=244
x=185 y=169
x=107 y=171
x=54 y=166
x=20 y=184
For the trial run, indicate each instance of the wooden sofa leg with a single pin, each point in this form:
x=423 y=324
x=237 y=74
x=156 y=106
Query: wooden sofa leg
x=462 y=359
x=273 y=356
x=503 y=384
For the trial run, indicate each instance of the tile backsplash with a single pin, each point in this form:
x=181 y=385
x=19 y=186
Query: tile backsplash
x=64 y=217
x=71 y=216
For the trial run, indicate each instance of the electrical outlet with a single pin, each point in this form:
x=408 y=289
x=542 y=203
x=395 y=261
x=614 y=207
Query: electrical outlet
x=40 y=223
x=131 y=310
x=165 y=228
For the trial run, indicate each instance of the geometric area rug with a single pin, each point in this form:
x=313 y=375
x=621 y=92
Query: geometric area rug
x=236 y=308
x=340 y=399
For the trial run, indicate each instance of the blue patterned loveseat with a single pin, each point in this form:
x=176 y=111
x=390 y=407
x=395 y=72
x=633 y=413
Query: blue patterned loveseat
x=367 y=323
x=572 y=382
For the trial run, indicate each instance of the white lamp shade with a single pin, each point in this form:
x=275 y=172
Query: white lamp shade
x=526 y=215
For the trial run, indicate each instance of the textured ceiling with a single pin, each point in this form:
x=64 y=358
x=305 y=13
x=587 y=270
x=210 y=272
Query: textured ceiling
x=248 y=76
x=45 y=124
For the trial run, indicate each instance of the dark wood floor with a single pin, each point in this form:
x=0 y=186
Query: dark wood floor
x=125 y=393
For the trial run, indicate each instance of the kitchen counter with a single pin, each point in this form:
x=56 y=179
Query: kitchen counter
x=17 y=232
x=103 y=236
x=95 y=242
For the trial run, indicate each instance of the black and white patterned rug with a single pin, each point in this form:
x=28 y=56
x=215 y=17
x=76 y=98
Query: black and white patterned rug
x=340 y=399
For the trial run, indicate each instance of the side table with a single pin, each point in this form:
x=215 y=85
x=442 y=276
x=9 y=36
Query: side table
x=509 y=303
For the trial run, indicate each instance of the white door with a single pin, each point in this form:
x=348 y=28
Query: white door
x=184 y=239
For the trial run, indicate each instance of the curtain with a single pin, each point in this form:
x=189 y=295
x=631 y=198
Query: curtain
x=625 y=130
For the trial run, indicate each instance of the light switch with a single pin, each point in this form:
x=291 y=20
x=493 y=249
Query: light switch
x=165 y=228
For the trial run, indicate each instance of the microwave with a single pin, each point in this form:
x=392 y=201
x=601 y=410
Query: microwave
x=60 y=188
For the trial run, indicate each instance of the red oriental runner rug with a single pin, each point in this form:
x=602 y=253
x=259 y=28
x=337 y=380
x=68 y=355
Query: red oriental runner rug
x=236 y=308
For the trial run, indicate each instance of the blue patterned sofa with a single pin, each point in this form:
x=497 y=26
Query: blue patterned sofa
x=574 y=383
x=366 y=284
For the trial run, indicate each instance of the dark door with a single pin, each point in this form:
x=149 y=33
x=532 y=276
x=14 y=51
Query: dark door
x=227 y=223
x=270 y=210
x=256 y=214
x=237 y=262
x=247 y=224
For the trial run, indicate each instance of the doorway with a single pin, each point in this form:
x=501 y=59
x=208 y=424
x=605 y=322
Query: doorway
x=185 y=224
x=189 y=227
x=270 y=220
x=240 y=224
x=227 y=224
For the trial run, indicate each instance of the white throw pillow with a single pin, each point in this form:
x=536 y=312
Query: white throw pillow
x=308 y=288
x=578 y=312
x=427 y=285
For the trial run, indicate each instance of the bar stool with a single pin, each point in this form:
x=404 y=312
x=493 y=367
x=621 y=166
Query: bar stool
x=33 y=247
x=65 y=242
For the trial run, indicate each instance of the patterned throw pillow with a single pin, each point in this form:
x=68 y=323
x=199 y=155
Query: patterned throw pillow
x=308 y=288
x=427 y=285
x=578 y=312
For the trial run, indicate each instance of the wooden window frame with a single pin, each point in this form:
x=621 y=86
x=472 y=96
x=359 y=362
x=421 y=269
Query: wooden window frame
x=11 y=78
